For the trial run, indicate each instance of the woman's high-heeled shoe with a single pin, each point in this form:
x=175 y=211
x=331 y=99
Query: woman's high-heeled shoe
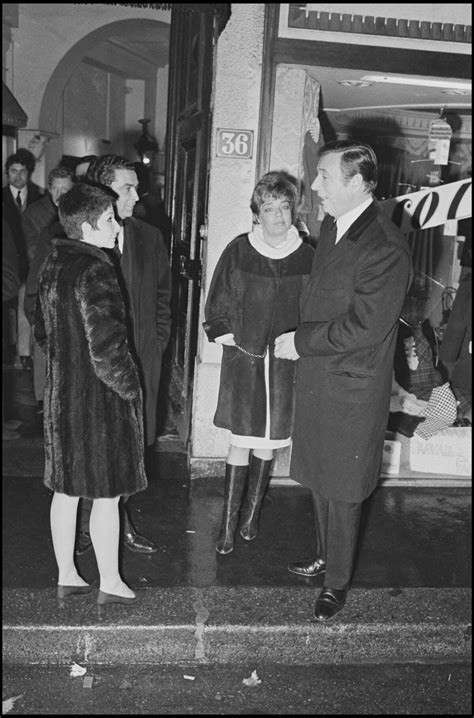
x=64 y=592
x=104 y=597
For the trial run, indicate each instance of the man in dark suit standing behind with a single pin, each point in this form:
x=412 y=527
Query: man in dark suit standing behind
x=345 y=345
x=146 y=275
x=17 y=195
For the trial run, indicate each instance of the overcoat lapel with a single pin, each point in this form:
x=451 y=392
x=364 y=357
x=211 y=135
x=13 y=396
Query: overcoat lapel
x=132 y=265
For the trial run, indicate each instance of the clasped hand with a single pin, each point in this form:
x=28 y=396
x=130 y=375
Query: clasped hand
x=285 y=347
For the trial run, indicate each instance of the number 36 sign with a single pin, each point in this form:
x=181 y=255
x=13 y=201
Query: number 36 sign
x=235 y=143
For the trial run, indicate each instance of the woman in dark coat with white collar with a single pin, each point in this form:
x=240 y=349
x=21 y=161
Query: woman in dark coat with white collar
x=253 y=297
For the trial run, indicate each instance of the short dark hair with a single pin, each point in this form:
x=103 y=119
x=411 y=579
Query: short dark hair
x=273 y=185
x=61 y=172
x=83 y=203
x=356 y=158
x=101 y=171
x=22 y=157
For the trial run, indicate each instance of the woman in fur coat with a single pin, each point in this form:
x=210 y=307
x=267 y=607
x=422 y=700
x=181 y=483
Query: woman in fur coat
x=92 y=403
x=255 y=292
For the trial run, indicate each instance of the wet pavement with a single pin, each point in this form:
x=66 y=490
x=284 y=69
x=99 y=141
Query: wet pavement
x=217 y=690
x=410 y=538
x=411 y=582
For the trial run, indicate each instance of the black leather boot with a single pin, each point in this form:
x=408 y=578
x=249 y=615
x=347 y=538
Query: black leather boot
x=235 y=481
x=259 y=476
x=133 y=540
x=83 y=539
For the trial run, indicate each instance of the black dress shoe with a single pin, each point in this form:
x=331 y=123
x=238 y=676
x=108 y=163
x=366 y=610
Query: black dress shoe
x=310 y=567
x=330 y=601
x=83 y=544
x=138 y=544
x=26 y=363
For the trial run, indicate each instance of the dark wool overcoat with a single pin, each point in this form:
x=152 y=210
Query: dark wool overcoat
x=256 y=298
x=346 y=342
x=13 y=215
x=93 y=423
x=146 y=271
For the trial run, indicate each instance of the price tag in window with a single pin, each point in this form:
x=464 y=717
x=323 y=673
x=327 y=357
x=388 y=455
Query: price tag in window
x=438 y=141
x=235 y=143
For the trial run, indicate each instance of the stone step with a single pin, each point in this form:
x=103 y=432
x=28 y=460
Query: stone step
x=238 y=625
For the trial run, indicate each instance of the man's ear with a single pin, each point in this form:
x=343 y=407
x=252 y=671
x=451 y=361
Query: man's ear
x=357 y=182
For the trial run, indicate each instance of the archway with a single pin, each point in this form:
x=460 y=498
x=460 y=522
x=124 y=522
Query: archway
x=50 y=117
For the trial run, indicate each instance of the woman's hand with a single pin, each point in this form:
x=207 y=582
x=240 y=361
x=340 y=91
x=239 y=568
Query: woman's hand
x=285 y=347
x=227 y=339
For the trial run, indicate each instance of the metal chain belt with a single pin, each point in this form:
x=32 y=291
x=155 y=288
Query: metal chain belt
x=257 y=356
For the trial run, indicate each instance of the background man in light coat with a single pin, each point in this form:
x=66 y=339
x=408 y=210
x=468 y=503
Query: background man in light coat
x=345 y=345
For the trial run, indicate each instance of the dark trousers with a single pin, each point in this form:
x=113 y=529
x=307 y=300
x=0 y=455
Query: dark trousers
x=84 y=512
x=337 y=528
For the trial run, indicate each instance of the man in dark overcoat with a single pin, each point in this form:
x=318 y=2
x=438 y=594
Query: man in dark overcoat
x=345 y=346
x=17 y=195
x=36 y=221
x=146 y=281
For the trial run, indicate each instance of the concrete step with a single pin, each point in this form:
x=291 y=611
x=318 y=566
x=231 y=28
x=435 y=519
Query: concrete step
x=238 y=625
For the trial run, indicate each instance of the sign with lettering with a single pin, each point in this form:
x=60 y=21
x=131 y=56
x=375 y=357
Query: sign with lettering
x=235 y=143
x=431 y=207
x=439 y=141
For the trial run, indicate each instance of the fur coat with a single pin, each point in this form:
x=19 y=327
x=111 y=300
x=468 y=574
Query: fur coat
x=93 y=411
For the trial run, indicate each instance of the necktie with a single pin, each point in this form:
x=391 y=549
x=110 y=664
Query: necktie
x=332 y=231
x=117 y=248
x=18 y=201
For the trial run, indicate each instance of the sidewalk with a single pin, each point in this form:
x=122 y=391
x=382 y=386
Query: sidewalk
x=410 y=600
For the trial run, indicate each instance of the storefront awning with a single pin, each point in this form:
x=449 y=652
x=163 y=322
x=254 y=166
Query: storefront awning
x=12 y=113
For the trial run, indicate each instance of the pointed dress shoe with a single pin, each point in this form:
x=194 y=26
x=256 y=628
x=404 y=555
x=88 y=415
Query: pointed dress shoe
x=64 y=592
x=137 y=543
x=105 y=597
x=329 y=602
x=310 y=567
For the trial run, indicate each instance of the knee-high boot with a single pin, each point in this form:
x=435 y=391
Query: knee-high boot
x=259 y=476
x=235 y=481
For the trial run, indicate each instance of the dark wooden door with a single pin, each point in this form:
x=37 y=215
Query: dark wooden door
x=189 y=119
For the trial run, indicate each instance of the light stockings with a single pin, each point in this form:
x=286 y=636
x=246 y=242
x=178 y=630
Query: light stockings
x=104 y=529
x=63 y=531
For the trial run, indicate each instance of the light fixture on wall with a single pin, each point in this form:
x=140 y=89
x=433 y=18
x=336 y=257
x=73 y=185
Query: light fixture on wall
x=419 y=81
x=146 y=146
x=355 y=83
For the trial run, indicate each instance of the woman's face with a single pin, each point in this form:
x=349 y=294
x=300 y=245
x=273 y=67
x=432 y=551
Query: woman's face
x=275 y=218
x=106 y=232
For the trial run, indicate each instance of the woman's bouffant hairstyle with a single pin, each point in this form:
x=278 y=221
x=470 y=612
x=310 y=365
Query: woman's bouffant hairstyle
x=83 y=203
x=356 y=158
x=274 y=185
x=101 y=171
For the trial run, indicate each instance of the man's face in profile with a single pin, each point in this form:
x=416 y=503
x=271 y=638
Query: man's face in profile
x=125 y=185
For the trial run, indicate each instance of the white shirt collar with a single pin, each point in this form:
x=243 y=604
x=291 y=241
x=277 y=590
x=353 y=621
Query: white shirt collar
x=345 y=220
x=120 y=239
x=282 y=250
x=23 y=193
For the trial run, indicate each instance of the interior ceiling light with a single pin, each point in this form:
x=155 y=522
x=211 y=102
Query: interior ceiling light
x=419 y=81
x=355 y=83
